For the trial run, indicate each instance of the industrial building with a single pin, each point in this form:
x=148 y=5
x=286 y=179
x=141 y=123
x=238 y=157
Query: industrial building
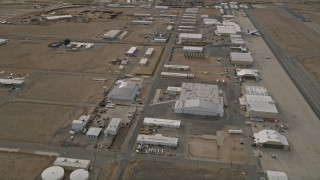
x=248 y=74
x=132 y=51
x=176 y=67
x=93 y=132
x=161 y=37
x=225 y=30
x=143 y=61
x=210 y=22
x=125 y=91
x=80 y=124
x=11 y=81
x=149 y=52
x=169 y=28
x=189 y=37
x=112 y=34
x=161 y=122
x=256 y=90
x=113 y=127
x=171 y=90
x=237 y=42
x=141 y=15
x=260 y=107
x=138 y=22
x=200 y=99
x=53 y=172
x=71 y=164
x=241 y=59
x=270 y=139
x=276 y=175
x=157 y=139
x=192 y=49
x=177 y=75
x=51 y=18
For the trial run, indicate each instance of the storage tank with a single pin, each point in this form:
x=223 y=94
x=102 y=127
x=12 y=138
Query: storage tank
x=79 y=174
x=53 y=173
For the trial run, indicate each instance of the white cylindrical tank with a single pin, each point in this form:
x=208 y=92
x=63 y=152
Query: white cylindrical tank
x=120 y=67
x=79 y=174
x=53 y=173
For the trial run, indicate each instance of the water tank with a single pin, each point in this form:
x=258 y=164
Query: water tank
x=53 y=173
x=79 y=174
x=120 y=67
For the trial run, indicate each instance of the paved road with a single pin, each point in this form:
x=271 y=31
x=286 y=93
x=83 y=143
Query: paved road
x=306 y=84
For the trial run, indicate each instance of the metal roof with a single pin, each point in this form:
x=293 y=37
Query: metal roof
x=114 y=124
x=72 y=163
x=171 y=88
x=208 y=92
x=269 y=136
x=192 y=48
x=190 y=36
x=256 y=90
x=175 y=66
x=127 y=90
x=94 y=131
x=235 y=56
x=161 y=122
x=276 y=175
x=11 y=81
x=157 y=139
x=112 y=33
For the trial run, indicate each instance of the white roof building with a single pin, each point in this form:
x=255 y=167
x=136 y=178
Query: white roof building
x=236 y=42
x=225 y=30
x=143 y=61
x=141 y=15
x=192 y=49
x=210 y=22
x=200 y=99
x=176 y=67
x=11 y=81
x=111 y=34
x=235 y=36
x=261 y=106
x=270 y=139
x=169 y=27
x=71 y=164
x=149 y=52
x=256 y=90
x=248 y=73
x=53 y=173
x=233 y=24
x=275 y=175
x=113 y=127
x=157 y=139
x=177 y=75
x=3 y=41
x=125 y=91
x=138 y=22
x=241 y=58
x=161 y=122
x=51 y=18
x=94 y=132
x=80 y=124
x=79 y=174
x=131 y=51
x=173 y=90
x=190 y=36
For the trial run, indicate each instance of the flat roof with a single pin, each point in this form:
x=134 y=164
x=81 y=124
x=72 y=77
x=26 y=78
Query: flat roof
x=143 y=60
x=266 y=136
x=70 y=162
x=192 y=48
x=175 y=66
x=276 y=175
x=235 y=56
x=172 y=88
x=256 y=90
x=208 y=92
x=58 y=17
x=149 y=51
x=157 y=139
x=161 y=122
x=94 y=131
x=11 y=81
x=112 y=33
x=225 y=30
x=176 y=74
x=190 y=36
x=132 y=50
x=114 y=124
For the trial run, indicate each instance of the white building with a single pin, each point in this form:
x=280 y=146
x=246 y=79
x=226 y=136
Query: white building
x=176 y=67
x=173 y=90
x=261 y=107
x=11 y=81
x=131 y=51
x=275 y=175
x=71 y=164
x=248 y=73
x=210 y=22
x=161 y=122
x=141 y=15
x=169 y=28
x=237 y=42
x=138 y=22
x=177 y=75
x=112 y=34
x=184 y=37
x=256 y=90
x=270 y=139
x=51 y=18
x=93 y=132
x=225 y=30
x=3 y=41
x=186 y=27
x=125 y=91
x=242 y=59
x=149 y=52
x=192 y=49
x=143 y=61
x=200 y=99
x=157 y=139
x=80 y=124
x=113 y=127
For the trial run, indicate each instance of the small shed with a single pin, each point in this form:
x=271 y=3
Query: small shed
x=143 y=61
x=93 y=132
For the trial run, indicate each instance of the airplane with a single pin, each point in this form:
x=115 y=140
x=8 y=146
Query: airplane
x=254 y=32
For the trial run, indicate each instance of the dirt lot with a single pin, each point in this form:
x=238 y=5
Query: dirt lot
x=38 y=123
x=287 y=30
x=312 y=64
x=66 y=88
x=206 y=146
x=37 y=55
x=309 y=9
x=152 y=63
x=22 y=166
x=162 y=170
x=204 y=69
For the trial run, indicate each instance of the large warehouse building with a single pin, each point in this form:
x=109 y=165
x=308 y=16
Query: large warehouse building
x=125 y=91
x=200 y=99
x=241 y=59
x=161 y=122
x=270 y=139
x=261 y=107
x=157 y=139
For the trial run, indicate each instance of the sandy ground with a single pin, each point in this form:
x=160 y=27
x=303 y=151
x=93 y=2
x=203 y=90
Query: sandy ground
x=66 y=88
x=162 y=170
x=310 y=10
x=288 y=31
x=36 y=123
x=22 y=166
x=312 y=64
